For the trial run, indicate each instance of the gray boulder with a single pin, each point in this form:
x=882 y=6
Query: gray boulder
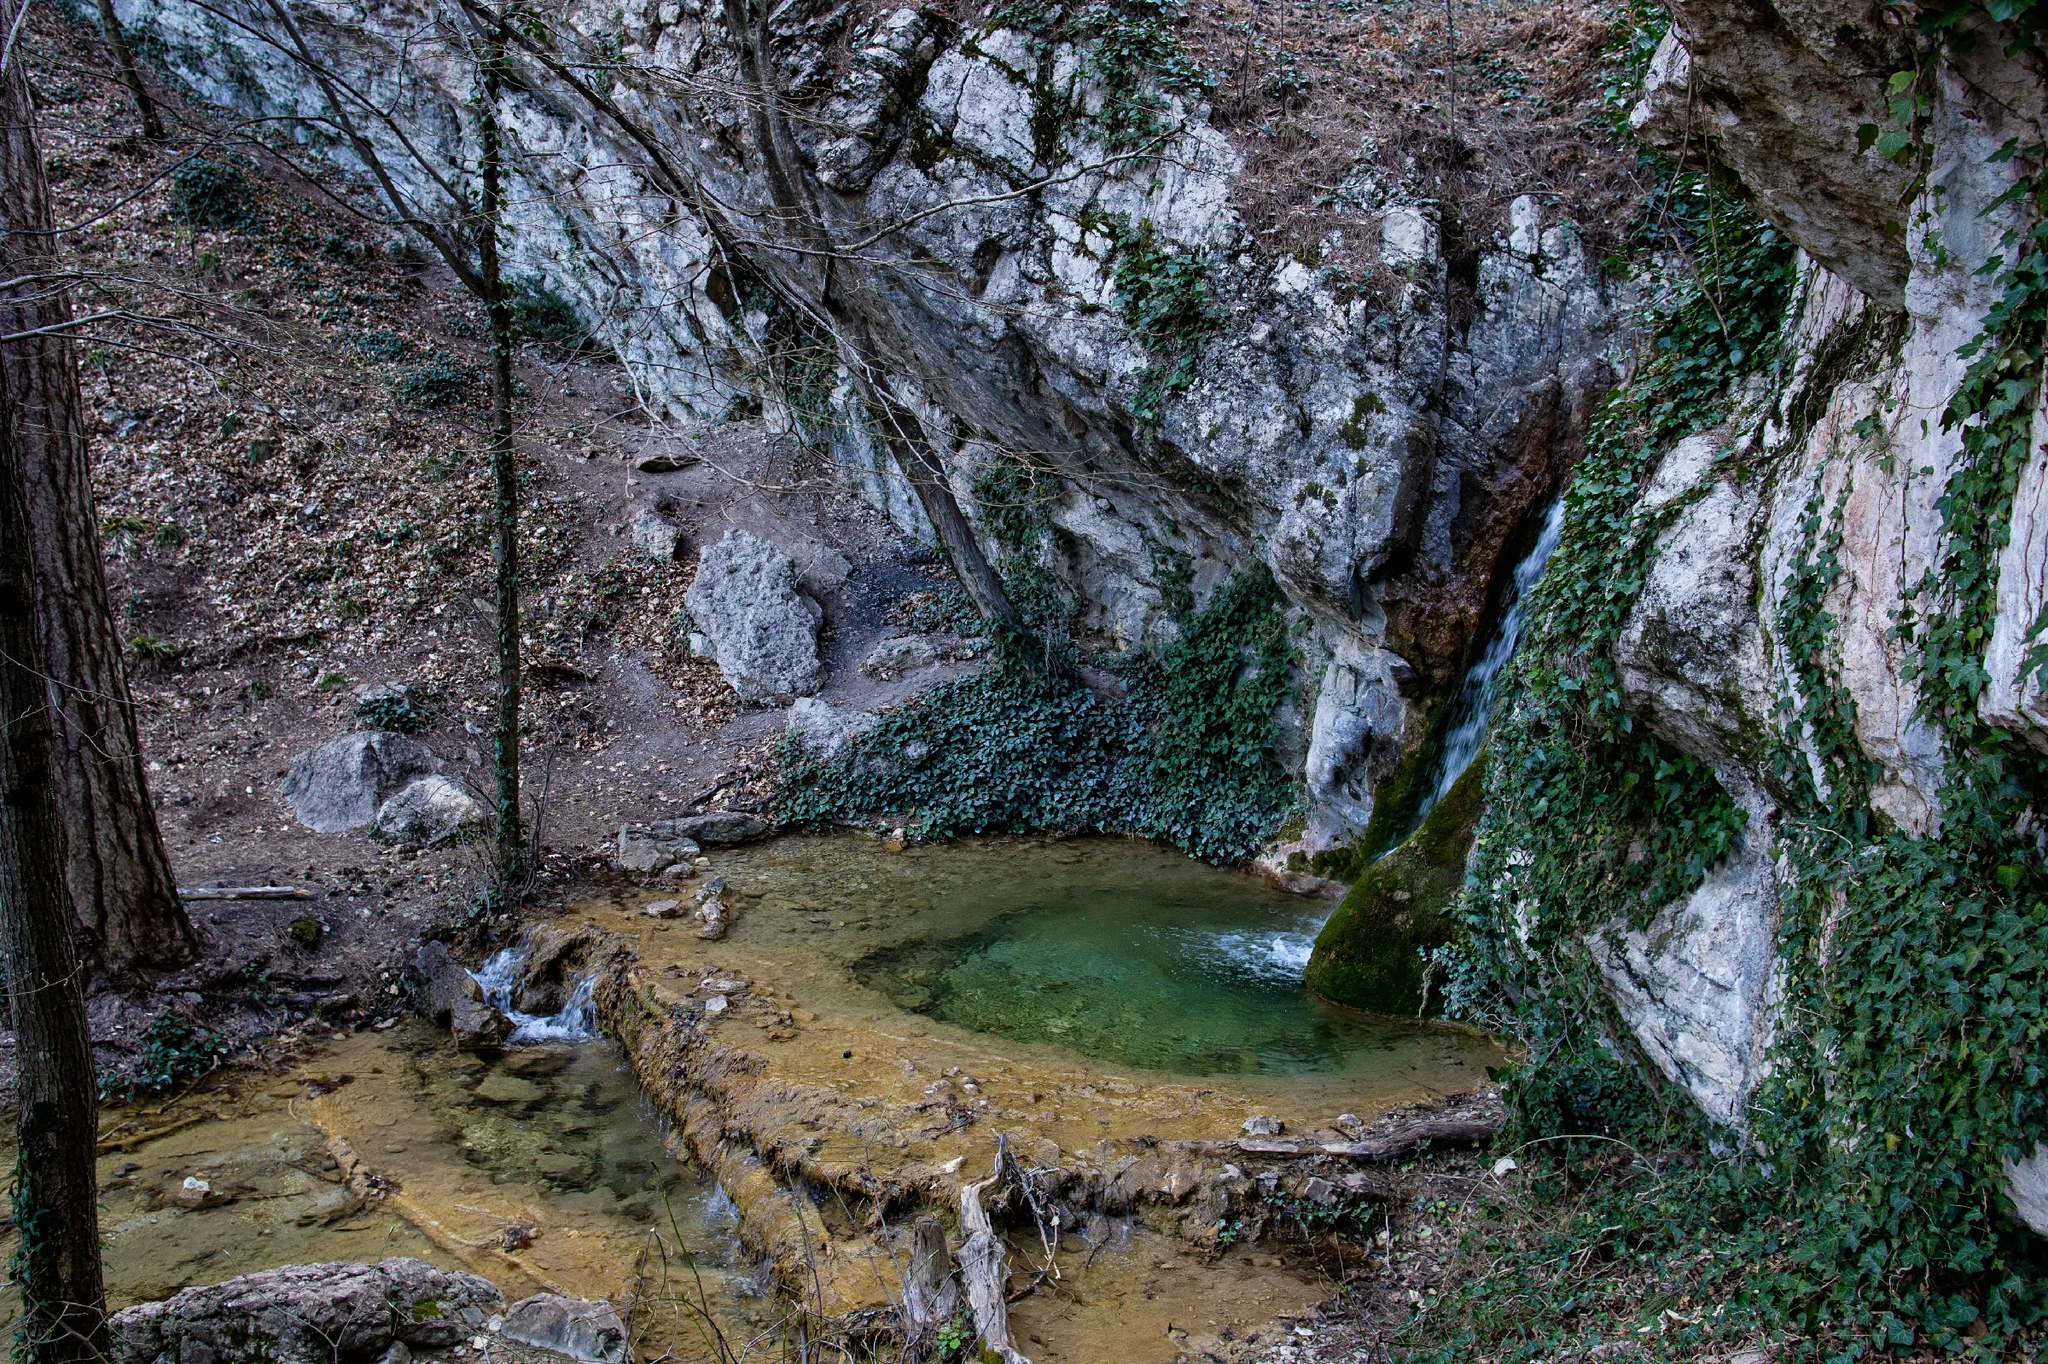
x=648 y=848
x=656 y=536
x=306 y=1314
x=340 y=785
x=762 y=631
x=720 y=828
x=822 y=729
x=582 y=1330
x=430 y=811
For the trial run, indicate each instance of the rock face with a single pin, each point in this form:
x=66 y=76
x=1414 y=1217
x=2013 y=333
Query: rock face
x=307 y=1314
x=1379 y=450
x=1787 y=546
x=587 y=1331
x=762 y=631
x=339 y=785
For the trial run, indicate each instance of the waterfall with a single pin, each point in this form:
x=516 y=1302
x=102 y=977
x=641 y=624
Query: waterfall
x=1472 y=709
x=576 y=1022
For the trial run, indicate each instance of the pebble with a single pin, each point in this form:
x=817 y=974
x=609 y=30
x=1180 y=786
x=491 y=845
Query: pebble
x=663 y=909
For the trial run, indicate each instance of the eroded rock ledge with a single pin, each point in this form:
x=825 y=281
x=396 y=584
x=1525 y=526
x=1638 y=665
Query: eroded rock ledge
x=829 y=1170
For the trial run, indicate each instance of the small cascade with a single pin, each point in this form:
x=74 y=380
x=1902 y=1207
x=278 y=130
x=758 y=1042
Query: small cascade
x=1472 y=709
x=575 y=1022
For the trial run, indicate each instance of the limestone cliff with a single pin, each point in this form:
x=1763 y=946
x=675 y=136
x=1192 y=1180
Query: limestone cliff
x=1839 y=589
x=1039 y=253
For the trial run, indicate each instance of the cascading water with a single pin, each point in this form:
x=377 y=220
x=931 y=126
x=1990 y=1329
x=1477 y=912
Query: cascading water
x=575 y=1022
x=1472 y=709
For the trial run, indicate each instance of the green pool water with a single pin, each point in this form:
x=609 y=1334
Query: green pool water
x=1117 y=950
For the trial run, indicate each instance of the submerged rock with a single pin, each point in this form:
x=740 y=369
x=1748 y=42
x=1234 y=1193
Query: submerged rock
x=582 y=1330
x=306 y=1314
x=340 y=785
x=762 y=631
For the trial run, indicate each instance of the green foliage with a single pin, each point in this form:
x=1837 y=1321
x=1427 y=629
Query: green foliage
x=210 y=194
x=1186 y=757
x=390 y=710
x=380 y=345
x=1169 y=303
x=541 y=314
x=441 y=380
x=174 y=1053
x=152 y=648
x=1133 y=55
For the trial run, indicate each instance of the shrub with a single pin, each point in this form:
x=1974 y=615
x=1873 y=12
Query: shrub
x=209 y=194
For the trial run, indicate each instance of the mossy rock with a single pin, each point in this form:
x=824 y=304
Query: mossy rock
x=1395 y=802
x=1370 y=954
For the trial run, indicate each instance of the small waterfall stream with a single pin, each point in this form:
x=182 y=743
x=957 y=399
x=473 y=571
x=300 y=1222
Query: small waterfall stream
x=499 y=980
x=1472 y=708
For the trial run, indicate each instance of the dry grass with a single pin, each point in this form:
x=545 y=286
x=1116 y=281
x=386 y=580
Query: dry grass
x=1316 y=90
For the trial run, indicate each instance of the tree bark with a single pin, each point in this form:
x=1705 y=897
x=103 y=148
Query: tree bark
x=510 y=845
x=131 y=75
x=64 y=1317
x=124 y=899
x=901 y=431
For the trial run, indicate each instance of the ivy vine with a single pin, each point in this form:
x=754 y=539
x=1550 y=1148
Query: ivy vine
x=1185 y=756
x=1866 y=1211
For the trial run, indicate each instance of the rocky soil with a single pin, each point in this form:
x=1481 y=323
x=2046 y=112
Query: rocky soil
x=286 y=529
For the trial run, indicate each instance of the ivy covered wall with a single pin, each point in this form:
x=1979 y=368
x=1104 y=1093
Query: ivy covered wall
x=1761 y=859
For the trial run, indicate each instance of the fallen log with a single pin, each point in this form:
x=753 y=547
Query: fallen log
x=1388 y=1145
x=246 y=893
x=135 y=1139
x=981 y=1269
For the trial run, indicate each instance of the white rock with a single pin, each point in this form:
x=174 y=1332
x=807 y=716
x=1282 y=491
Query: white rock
x=428 y=812
x=655 y=535
x=822 y=729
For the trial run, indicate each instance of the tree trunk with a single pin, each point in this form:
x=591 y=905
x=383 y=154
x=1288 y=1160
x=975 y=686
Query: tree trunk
x=131 y=75
x=908 y=444
x=510 y=849
x=901 y=431
x=124 y=899
x=64 y=1316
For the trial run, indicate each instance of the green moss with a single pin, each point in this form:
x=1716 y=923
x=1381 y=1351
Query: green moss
x=1396 y=804
x=1371 y=954
x=1354 y=431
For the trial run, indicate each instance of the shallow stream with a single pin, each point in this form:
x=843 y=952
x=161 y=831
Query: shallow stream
x=1099 y=988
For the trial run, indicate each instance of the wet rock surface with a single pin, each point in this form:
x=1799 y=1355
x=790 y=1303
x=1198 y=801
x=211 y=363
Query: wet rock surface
x=589 y=1332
